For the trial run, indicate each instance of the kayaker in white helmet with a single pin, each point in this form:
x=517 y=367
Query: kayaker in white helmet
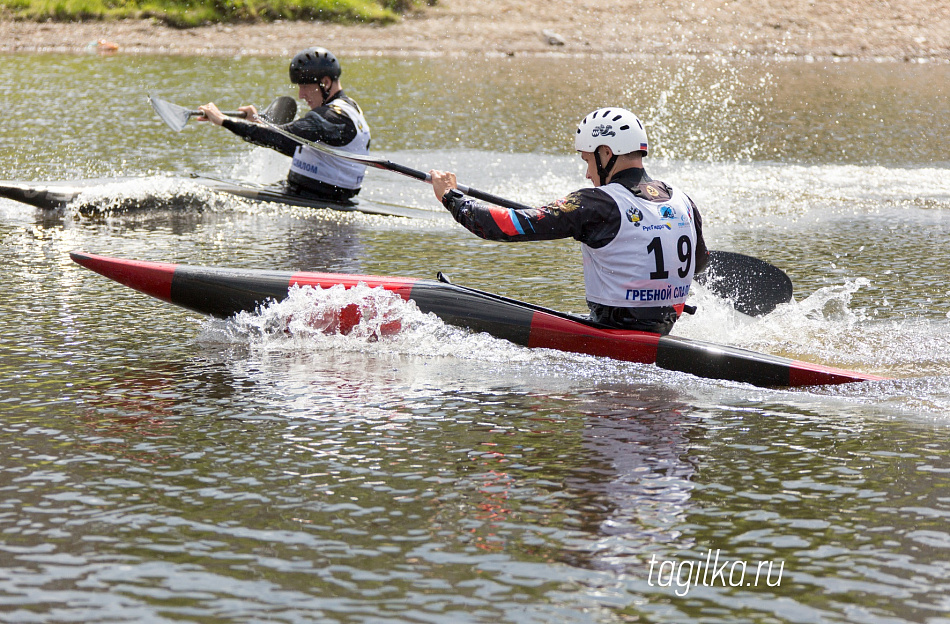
x=642 y=240
x=335 y=119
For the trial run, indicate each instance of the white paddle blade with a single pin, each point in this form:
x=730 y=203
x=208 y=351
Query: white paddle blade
x=175 y=117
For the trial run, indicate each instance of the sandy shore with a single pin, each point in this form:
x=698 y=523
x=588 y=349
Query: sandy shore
x=901 y=30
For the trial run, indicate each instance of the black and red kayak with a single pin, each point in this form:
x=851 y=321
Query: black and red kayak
x=223 y=292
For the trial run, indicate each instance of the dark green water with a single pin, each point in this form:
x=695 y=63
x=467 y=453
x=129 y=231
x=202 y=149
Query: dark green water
x=157 y=466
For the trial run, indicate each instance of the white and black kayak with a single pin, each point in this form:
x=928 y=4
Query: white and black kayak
x=223 y=292
x=55 y=195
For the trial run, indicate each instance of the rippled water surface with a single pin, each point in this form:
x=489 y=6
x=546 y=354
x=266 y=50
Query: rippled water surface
x=158 y=466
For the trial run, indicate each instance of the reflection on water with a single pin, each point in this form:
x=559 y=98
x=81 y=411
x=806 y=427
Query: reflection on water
x=157 y=466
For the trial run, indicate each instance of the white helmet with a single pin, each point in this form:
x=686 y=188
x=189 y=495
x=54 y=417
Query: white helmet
x=617 y=128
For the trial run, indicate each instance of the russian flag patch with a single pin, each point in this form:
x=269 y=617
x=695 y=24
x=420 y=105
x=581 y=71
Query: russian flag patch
x=506 y=221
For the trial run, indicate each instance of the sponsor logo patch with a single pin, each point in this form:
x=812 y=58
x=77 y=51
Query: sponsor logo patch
x=565 y=204
x=634 y=215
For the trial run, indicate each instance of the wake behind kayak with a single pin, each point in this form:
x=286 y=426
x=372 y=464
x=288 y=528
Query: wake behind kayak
x=92 y=196
x=223 y=292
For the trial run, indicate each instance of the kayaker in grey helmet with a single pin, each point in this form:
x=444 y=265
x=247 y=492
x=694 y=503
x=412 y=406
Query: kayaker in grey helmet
x=642 y=240
x=335 y=119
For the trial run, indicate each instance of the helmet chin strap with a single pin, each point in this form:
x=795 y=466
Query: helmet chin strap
x=324 y=91
x=603 y=171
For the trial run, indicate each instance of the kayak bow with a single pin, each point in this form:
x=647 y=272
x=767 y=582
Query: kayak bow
x=223 y=292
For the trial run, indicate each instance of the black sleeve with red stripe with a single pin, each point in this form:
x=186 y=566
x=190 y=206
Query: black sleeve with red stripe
x=588 y=215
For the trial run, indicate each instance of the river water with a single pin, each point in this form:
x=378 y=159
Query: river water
x=157 y=466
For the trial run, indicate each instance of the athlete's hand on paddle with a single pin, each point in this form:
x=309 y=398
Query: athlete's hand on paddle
x=442 y=182
x=210 y=112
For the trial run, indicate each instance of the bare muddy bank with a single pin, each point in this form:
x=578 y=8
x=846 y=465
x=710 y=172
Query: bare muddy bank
x=907 y=30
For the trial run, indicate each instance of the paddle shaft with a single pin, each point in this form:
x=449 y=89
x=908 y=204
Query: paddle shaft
x=468 y=190
x=281 y=110
x=277 y=106
x=755 y=285
x=198 y=113
x=388 y=165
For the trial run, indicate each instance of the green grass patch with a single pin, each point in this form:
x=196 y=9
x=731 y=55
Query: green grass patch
x=189 y=13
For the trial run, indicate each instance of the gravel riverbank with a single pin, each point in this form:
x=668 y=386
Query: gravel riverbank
x=898 y=30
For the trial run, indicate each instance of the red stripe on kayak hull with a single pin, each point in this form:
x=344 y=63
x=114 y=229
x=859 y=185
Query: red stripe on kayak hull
x=808 y=374
x=151 y=278
x=553 y=332
x=224 y=292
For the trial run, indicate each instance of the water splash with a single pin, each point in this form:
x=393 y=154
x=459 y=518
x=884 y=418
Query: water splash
x=705 y=112
x=360 y=319
x=826 y=328
x=366 y=314
x=152 y=193
x=261 y=165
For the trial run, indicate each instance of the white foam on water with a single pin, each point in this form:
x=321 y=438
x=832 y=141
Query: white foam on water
x=145 y=193
x=261 y=165
x=322 y=319
x=824 y=328
x=744 y=193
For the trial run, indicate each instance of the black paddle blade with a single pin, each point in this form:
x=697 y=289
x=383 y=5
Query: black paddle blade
x=282 y=110
x=754 y=286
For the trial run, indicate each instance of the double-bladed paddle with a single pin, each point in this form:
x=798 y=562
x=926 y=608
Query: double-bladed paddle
x=280 y=111
x=388 y=165
x=754 y=286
